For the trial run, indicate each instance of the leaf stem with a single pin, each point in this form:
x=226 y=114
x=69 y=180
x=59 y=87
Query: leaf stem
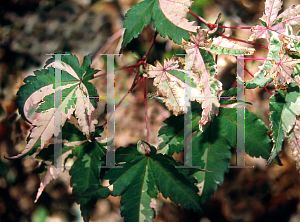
x=150 y=46
x=208 y=24
x=136 y=81
x=126 y=67
x=212 y=26
x=253 y=76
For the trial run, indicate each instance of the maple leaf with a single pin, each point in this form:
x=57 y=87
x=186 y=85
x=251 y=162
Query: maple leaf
x=72 y=138
x=76 y=92
x=203 y=72
x=169 y=18
x=175 y=11
x=142 y=175
x=282 y=70
x=170 y=81
x=51 y=173
x=285 y=106
x=257 y=143
x=279 y=66
x=278 y=25
x=222 y=45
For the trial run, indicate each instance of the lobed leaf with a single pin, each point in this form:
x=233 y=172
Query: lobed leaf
x=140 y=179
x=170 y=81
x=285 y=106
x=223 y=46
x=77 y=95
x=168 y=18
x=278 y=25
x=85 y=172
x=210 y=152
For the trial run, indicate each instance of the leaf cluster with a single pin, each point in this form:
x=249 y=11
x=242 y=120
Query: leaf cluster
x=61 y=104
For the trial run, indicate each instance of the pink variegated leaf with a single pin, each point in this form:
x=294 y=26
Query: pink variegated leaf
x=170 y=82
x=224 y=46
x=203 y=72
x=175 y=11
x=277 y=24
x=60 y=99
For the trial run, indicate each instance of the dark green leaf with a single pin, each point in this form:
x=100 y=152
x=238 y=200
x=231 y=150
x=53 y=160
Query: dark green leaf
x=211 y=152
x=140 y=179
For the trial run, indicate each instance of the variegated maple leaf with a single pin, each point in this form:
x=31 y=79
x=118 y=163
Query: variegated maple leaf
x=282 y=70
x=76 y=94
x=175 y=11
x=203 y=72
x=278 y=25
x=278 y=66
x=169 y=79
x=168 y=16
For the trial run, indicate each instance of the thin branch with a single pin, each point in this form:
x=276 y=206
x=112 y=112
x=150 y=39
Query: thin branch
x=126 y=67
x=253 y=76
x=136 y=81
x=208 y=24
x=150 y=46
x=212 y=26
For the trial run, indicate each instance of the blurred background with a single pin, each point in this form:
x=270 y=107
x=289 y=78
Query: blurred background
x=29 y=29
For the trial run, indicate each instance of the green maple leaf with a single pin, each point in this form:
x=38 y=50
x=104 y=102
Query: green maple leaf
x=168 y=18
x=78 y=96
x=85 y=171
x=142 y=176
x=211 y=148
x=172 y=135
x=285 y=106
x=211 y=152
x=257 y=143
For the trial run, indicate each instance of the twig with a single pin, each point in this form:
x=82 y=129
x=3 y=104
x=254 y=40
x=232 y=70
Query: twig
x=212 y=26
x=253 y=76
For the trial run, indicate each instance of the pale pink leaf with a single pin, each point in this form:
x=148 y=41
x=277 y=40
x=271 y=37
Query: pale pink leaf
x=175 y=11
x=171 y=85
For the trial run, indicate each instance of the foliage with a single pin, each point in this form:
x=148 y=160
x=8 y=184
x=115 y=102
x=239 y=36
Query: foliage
x=141 y=172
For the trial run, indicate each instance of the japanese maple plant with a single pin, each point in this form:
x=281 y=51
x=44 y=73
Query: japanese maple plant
x=182 y=83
